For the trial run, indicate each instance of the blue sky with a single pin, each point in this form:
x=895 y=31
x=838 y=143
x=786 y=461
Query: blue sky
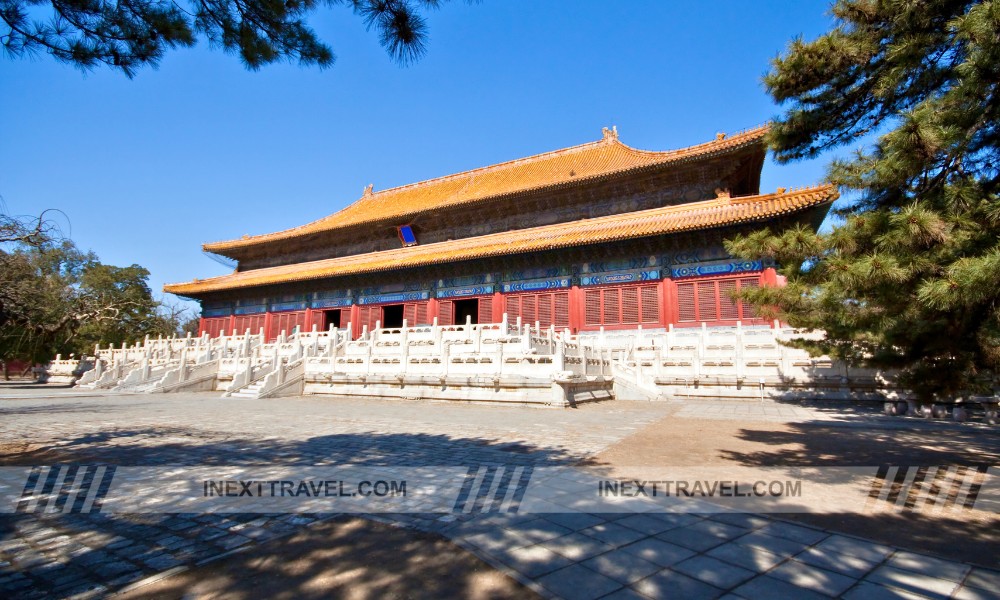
x=148 y=169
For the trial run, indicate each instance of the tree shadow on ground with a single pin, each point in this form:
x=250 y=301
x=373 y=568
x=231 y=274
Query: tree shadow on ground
x=733 y=445
x=346 y=557
x=59 y=555
x=182 y=446
x=817 y=443
x=950 y=531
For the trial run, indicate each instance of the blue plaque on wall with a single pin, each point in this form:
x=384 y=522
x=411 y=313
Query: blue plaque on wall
x=723 y=268
x=281 y=306
x=331 y=303
x=401 y=297
x=530 y=274
x=537 y=285
x=463 y=292
x=630 y=277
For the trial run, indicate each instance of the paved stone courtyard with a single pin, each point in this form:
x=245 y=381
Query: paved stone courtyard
x=571 y=555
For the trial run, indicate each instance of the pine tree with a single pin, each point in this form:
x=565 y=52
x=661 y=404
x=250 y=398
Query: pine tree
x=910 y=280
x=128 y=35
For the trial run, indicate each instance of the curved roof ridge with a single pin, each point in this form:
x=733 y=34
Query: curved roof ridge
x=751 y=132
x=466 y=181
x=725 y=141
x=485 y=169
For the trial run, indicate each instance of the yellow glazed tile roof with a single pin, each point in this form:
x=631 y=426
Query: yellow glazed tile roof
x=570 y=165
x=658 y=221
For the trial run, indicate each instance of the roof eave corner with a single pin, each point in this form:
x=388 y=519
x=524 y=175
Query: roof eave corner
x=223 y=248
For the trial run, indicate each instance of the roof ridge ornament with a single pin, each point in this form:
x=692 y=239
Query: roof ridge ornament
x=610 y=134
x=722 y=192
x=368 y=190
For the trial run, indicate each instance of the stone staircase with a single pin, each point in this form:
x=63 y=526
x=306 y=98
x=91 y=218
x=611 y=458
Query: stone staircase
x=250 y=391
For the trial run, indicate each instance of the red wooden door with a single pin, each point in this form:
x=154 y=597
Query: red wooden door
x=446 y=311
x=369 y=316
x=415 y=313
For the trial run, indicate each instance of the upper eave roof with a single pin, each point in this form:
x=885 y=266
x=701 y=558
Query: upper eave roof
x=707 y=214
x=552 y=169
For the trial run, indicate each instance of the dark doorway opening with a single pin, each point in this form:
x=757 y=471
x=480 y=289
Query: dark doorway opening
x=392 y=315
x=467 y=308
x=331 y=318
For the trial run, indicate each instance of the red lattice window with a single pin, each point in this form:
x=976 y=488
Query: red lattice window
x=512 y=306
x=622 y=305
x=287 y=322
x=630 y=305
x=545 y=309
x=561 y=309
x=649 y=297
x=592 y=303
x=529 y=312
x=712 y=300
x=215 y=326
x=252 y=322
x=727 y=307
x=708 y=309
x=747 y=310
x=612 y=306
x=544 y=305
x=686 y=303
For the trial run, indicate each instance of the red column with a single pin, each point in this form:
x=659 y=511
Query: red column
x=201 y=326
x=770 y=278
x=498 y=306
x=576 y=308
x=669 y=302
x=267 y=326
x=432 y=309
x=354 y=313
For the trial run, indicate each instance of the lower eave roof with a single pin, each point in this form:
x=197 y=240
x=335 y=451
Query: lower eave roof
x=707 y=214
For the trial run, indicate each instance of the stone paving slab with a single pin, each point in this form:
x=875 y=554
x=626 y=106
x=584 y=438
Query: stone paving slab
x=622 y=567
x=578 y=582
x=713 y=571
x=810 y=577
x=974 y=593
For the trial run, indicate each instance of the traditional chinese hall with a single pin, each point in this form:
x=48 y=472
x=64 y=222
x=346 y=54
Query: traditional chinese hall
x=599 y=235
